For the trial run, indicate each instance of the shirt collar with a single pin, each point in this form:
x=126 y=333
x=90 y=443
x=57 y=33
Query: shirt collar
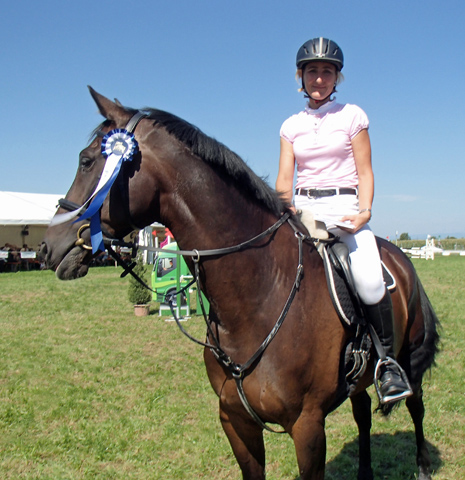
x=322 y=110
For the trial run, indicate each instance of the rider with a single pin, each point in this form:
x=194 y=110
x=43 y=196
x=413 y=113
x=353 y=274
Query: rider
x=330 y=145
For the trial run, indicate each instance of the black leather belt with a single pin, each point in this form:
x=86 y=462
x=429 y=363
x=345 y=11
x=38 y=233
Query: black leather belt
x=325 y=192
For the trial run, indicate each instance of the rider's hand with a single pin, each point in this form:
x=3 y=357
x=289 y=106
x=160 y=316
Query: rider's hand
x=358 y=221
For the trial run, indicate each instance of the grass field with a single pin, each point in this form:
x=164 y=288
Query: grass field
x=89 y=391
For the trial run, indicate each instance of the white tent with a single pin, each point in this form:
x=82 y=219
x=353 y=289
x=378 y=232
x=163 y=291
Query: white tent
x=24 y=217
x=27 y=208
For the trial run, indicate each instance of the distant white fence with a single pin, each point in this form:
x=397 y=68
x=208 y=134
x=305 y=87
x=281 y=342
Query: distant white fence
x=429 y=250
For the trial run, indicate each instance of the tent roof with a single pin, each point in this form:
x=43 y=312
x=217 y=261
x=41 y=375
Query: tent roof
x=27 y=208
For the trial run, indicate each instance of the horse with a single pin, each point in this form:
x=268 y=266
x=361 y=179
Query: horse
x=212 y=202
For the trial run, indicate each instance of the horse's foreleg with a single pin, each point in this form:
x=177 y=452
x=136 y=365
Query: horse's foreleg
x=417 y=412
x=361 y=409
x=246 y=439
x=309 y=438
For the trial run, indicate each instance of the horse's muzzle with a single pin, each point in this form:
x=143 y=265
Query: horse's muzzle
x=68 y=264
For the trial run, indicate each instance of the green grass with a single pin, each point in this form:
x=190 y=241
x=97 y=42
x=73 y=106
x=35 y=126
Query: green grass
x=89 y=391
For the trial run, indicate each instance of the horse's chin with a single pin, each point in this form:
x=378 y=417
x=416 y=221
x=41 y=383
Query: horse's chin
x=72 y=266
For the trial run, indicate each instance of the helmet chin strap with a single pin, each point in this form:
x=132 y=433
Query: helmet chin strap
x=320 y=101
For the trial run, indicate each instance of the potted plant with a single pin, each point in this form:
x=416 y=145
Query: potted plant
x=138 y=295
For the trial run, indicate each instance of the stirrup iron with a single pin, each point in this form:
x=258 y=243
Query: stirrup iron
x=403 y=375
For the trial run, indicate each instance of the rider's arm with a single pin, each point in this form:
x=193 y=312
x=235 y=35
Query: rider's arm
x=361 y=148
x=285 y=179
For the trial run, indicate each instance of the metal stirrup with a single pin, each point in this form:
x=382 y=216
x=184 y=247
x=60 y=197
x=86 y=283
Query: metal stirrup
x=403 y=375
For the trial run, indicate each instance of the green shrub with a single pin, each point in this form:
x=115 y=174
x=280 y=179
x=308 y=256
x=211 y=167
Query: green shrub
x=137 y=293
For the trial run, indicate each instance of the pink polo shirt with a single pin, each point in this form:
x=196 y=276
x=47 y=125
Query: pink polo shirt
x=321 y=141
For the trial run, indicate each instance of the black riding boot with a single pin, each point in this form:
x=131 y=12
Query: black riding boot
x=392 y=386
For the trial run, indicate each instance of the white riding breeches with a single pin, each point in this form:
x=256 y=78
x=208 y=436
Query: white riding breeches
x=365 y=262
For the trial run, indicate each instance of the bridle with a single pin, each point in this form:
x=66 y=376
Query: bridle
x=119 y=146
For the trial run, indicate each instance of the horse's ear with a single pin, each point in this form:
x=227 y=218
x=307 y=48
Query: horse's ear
x=110 y=110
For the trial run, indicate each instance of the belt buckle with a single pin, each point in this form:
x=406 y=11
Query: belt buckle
x=325 y=192
x=309 y=192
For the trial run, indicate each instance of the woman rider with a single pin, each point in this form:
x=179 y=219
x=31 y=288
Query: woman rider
x=330 y=145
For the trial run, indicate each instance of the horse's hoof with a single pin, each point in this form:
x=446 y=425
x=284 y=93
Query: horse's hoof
x=424 y=474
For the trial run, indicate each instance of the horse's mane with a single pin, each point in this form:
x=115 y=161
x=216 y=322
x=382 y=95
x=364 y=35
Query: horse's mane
x=220 y=157
x=217 y=155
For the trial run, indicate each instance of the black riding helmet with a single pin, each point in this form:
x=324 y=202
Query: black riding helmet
x=320 y=49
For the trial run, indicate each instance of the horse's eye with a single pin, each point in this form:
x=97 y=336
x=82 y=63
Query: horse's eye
x=85 y=162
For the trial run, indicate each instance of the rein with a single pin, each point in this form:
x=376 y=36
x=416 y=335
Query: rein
x=238 y=371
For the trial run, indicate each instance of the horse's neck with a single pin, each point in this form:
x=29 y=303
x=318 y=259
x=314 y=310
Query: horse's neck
x=210 y=213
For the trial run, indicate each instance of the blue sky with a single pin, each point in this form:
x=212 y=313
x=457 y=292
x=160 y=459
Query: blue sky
x=228 y=67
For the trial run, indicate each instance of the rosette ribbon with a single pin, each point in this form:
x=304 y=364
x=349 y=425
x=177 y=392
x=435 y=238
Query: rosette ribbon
x=118 y=146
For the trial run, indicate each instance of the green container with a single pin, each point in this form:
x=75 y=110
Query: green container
x=169 y=275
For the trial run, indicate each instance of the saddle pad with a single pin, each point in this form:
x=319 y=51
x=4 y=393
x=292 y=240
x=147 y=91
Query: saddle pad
x=389 y=279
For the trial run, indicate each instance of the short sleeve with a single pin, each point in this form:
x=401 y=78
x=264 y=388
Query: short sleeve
x=359 y=120
x=286 y=130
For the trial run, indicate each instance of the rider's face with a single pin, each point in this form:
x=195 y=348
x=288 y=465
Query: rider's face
x=319 y=79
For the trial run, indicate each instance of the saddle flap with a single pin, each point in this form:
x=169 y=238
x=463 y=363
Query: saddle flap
x=341 y=284
x=339 y=256
x=341 y=289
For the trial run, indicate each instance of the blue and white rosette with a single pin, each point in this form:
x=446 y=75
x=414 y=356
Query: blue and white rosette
x=118 y=146
x=119 y=142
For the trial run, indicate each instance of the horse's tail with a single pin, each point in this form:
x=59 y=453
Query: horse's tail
x=422 y=356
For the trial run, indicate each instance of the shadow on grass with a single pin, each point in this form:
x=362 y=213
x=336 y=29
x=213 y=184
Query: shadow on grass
x=393 y=458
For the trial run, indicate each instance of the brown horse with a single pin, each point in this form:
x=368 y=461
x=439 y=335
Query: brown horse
x=209 y=199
